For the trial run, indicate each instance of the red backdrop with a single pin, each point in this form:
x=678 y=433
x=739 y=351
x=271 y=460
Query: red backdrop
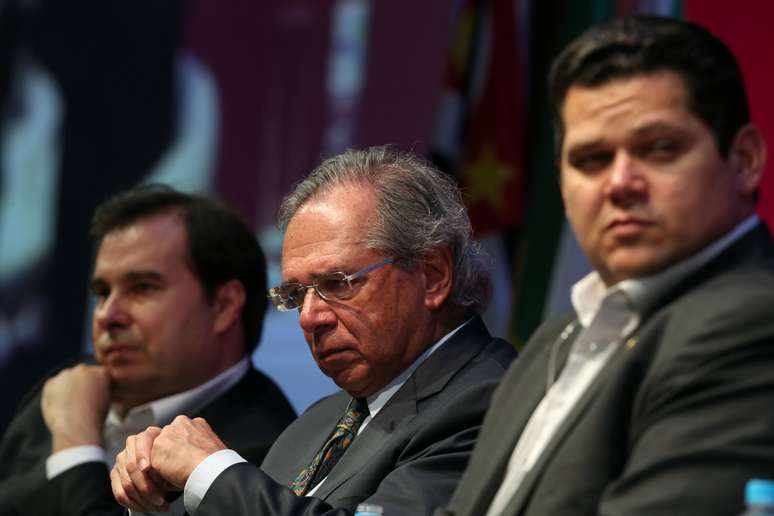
x=746 y=27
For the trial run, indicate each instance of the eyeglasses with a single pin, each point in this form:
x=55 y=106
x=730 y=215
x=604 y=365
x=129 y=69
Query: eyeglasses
x=336 y=285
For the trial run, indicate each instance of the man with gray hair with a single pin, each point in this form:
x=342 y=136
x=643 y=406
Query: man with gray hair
x=379 y=261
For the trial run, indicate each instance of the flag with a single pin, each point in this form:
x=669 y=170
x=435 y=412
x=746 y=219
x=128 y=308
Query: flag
x=747 y=31
x=480 y=131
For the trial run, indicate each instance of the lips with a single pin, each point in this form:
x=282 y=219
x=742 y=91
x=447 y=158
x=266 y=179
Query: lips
x=120 y=348
x=627 y=227
x=333 y=354
x=333 y=357
x=333 y=351
x=118 y=353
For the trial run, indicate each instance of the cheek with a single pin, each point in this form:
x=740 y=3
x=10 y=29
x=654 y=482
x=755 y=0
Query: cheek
x=388 y=343
x=580 y=202
x=95 y=329
x=95 y=333
x=681 y=207
x=369 y=340
x=582 y=218
x=374 y=351
x=160 y=337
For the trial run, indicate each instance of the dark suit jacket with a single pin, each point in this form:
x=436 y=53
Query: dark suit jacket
x=409 y=457
x=677 y=421
x=248 y=417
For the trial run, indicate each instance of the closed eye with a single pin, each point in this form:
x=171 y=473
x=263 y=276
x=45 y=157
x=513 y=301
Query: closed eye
x=101 y=294
x=142 y=283
x=144 y=287
x=99 y=290
x=590 y=161
x=334 y=286
x=661 y=150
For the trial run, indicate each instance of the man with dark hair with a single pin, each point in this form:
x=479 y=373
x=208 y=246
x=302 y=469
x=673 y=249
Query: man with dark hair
x=179 y=286
x=379 y=260
x=655 y=395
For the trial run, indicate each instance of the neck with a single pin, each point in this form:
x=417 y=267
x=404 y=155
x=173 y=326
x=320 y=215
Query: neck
x=449 y=317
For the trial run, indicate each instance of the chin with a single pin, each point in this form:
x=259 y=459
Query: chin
x=632 y=265
x=122 y=376
x=358 y=386
x=352 y=387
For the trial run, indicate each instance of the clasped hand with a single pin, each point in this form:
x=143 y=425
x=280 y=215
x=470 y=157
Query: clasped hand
x=158 y=462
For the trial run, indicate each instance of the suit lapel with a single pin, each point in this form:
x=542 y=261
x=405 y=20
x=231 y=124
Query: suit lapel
x=216 y=411
x=510 y=423
x=433 y=375
x=428 y=379
x=620 y=355
x=507 y=425
x=511 y=406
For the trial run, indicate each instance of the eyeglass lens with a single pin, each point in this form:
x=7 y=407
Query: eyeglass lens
x=337 y=285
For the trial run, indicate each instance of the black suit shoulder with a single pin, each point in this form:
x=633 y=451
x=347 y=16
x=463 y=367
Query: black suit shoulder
x=251 y=415
x=248 y=416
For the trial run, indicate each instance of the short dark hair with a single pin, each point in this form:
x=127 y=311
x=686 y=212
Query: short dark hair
x=220 y=246
x=644 y=45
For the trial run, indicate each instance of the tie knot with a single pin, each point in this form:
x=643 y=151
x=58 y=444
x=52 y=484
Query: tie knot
x=357 y=411
x=361 y=405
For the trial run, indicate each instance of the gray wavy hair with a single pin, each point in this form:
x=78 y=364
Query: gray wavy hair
x=418 y=209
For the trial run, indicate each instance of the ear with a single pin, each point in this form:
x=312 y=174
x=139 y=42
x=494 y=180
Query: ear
x=748 y=157
x=438 y=271
x=228 y=303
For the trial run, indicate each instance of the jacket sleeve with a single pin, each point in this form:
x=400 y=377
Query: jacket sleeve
x=702 y=423
x=83 y=490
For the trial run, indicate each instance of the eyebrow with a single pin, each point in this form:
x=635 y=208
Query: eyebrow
x=141 y=275
x=129 y=277
x=317 y=275
x=644 y=131
x=585 y=146
x=660 y=127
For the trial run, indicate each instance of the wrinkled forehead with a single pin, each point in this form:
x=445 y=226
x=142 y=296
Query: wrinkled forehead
x=329 y=230
x=344 y=211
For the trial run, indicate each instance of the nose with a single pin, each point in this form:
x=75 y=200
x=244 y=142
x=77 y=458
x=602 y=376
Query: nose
x=316 y=313
x=111 y=313
x=626 y=184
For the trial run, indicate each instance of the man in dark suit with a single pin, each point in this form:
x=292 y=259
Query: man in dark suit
x=656 y=395
x=379 y=260
x=178 y=283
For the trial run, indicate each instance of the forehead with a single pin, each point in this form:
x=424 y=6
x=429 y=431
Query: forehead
x=158 y=243
x=326 y=233
x=624 y=105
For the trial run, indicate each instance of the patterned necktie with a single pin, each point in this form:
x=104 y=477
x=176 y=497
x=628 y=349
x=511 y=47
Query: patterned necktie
x=333 y=449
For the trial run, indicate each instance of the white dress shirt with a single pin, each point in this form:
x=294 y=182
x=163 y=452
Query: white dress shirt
x=606 y=316
x=210 y=468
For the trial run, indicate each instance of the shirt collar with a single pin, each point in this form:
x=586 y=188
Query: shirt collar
x=588 y=294
x=163 y=410
x=379 y=399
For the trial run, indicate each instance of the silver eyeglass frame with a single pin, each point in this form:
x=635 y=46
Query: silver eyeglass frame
x=282 y=303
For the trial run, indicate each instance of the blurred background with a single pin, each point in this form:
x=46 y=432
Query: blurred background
x=242 y=98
